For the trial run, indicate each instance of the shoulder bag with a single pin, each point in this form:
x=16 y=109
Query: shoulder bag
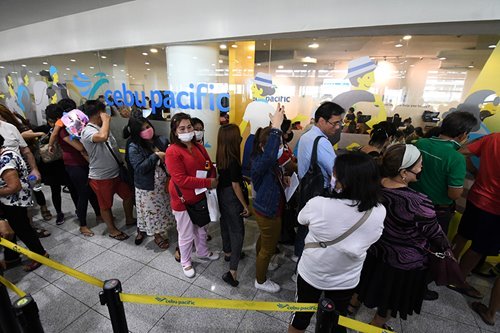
x=124 y=173
x=346 y=234
x=313 y=182
x=198 y=212
x=43 y=150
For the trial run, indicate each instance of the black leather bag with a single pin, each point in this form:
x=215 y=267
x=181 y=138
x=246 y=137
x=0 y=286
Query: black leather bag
x=124 y=174
x=313 y=182
x=198 y=212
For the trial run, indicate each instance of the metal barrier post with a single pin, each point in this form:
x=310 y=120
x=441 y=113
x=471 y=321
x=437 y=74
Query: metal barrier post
x=8 y=321
x=110 y=296
x=326 y=316
x=27 y=314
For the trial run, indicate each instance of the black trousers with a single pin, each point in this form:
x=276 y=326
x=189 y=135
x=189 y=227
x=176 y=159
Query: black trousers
x=309 y=294
x=232 y=227
x=81 y=191
x=19 y=222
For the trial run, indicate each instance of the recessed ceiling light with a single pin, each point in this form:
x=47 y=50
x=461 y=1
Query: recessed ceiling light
x=407 y=37
x=213 y=64
x=23 y=65
x=221 y=61
x=103 y=57
x=280 y=67
x=234 y=46
x=148 y=69
x=146 y=63
x=471 y=66
x=2 y=67
x=249 y=57
x=258 y=64
x=223 y=46
x=83 y=73
x=442 y=58
x=14 y=72
x=68 y=69
x=65 y=74
x=492 y=46
x=153 y=50
x=398 y=45
x=195 y=58
x=115 y=65
x=113 y=76
x=144 y=53
x=72 y=60
x=305 y=65
x=45 y=63
x=91 y=67
x=122 y=70
x=31 y=72
x=313 y=45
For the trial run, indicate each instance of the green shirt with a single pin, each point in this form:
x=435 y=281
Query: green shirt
x=443 y=167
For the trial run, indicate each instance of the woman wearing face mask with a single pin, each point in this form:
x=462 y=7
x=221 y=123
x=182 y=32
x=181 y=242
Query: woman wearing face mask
x=184 y=157
x=146 y=155
x=269 y=183
x=394 y=275
x=341 y=229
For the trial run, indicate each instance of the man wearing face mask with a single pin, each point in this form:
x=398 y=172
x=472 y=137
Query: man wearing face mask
x=104 y=169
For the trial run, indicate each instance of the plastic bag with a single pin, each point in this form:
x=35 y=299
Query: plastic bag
x=75 y=121
x=213 y=205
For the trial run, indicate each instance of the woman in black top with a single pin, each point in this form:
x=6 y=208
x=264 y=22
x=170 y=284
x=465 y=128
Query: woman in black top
x=232 y=203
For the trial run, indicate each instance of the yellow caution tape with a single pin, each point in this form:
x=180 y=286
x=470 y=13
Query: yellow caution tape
x=12 y=286
x=53 y=264
x=184 y=301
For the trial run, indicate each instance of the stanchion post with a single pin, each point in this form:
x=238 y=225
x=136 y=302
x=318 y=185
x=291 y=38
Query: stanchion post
x=27 y=314
x=8 y=321
x=326 y=316
x=110 y=296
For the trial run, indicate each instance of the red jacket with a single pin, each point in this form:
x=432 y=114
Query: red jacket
x=182 y=166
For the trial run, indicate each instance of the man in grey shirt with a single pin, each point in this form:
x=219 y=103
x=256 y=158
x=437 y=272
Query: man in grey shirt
x=104 y=169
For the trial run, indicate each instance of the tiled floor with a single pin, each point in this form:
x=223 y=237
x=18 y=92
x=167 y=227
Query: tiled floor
x=71 y=306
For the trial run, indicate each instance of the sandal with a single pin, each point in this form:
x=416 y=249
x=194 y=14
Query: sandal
x=121 y=236
x=162 y=243
x=46 y=215
x=481 y=310
x=388 y=328
x=468 y=290
x=177 y=255
x=140 y=237
x=34 y=264
x=352 y=309
x=87 y=233
x=42 y=233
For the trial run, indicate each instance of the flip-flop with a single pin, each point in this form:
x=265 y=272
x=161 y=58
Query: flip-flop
x=387 y=327
x=42 y=233
x=467 y=291
x=162 y=243
x=480 y=309
x=87 y=234
x=121 y=236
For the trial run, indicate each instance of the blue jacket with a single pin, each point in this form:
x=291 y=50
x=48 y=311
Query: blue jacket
x=264 y=179
x=144 y=163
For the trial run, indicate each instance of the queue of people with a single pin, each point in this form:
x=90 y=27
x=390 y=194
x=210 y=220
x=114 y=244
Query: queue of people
x=365 y=235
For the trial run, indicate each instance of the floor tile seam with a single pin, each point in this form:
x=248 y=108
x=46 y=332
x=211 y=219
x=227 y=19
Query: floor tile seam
x=242 y=318
x=64 y=291
x=111 y=249
x=83 y=314
x=450 y=320
x=160 y=271
x=163 y=315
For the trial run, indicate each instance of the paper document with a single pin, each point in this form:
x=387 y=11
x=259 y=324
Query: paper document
x=200 y=174
x=290 y=190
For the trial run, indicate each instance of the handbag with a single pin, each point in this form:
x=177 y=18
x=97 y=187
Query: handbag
x=444 y=268
x=124 y=173
x=313 y=182
x=44 y=152
x=346 y=234
x=198 y=212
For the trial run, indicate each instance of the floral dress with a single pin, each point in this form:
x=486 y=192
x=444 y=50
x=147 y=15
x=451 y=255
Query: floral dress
x=10 y=160
x=154 y=214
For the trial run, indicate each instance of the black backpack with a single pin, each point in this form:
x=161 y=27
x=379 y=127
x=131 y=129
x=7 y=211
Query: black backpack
x=313 y=182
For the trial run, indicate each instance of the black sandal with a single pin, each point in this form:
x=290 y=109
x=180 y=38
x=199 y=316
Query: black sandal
x=140 y=237
x=229 y=279
x=121 y=236
x=177 y=255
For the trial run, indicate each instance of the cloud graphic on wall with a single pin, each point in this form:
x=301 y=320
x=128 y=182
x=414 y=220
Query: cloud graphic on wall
x=86 y=87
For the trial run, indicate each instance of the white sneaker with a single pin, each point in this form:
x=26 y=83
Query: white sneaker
x=189 y=272
x=294 y=258
x=269 y=286
x=273 y=263
x=294 y=277
x=211 y=256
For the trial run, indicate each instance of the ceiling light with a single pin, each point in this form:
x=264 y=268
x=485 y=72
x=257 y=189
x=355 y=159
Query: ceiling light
x=223 y=46
x=23 y=65
x=407 y=37
x=144 y=53
x=115 y=65
x=258 y=64
x=91 y=67
x=313 y=45
x=153 y=50
x=113 y=76
x=442 y=58
x=249 y=57
x=14 y=72
x=195 y=58
x=72 y=60
x=68 y=69
x=221 y=61
x=65 y=74
x=148 y=69
x=103 y=57
x=234 y=46
x=309 y=60
x=2 y=67
x=45 y=63
x=83 y=73
x=471 y=66
x=31 y=72
x=398 y=45
x=146 y=63
x=492 y=46
x=280 y=67
x=213 y=64
x=251 y=47
x=305 y=65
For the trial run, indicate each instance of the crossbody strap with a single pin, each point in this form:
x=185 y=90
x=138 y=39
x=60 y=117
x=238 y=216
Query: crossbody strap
x=363 y=219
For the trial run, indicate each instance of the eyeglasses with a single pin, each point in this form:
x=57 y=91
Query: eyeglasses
x=339 y=123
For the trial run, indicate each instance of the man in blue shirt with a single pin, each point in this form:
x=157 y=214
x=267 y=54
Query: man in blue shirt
x=328 y=121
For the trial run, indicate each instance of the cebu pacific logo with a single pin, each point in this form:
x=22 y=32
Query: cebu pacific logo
x=263 y=89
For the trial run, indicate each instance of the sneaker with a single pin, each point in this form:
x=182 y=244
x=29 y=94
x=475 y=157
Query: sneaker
x=188 y=271
x=294 y=277
x=229 y=279
x=294 y=258
x=211 y=256
x=60 y=218
x=269 y=286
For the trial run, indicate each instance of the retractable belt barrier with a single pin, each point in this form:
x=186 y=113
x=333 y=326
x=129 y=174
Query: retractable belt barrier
x=183 y=301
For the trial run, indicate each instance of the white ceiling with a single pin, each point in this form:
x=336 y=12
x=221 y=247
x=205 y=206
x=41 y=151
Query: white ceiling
x=16 y=13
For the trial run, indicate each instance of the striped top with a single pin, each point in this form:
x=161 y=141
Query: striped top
x=409 y=227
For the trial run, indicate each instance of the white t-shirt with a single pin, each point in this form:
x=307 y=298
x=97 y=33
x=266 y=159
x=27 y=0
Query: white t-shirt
x=12 y=137
x=257 y=114
x=338 y=266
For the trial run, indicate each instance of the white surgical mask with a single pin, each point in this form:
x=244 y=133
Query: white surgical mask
x=199 y=135
x=280 y=152
x=186 y=137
